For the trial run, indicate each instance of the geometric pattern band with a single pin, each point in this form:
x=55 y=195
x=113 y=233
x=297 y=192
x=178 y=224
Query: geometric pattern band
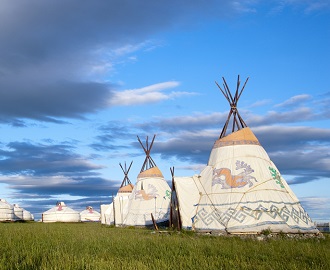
x=286 y=213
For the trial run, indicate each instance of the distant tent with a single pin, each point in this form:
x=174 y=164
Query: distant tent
x=90 y=215
x=241 y=190
x=18 y=212
x=151 y=194
x=6 y=211
x=61 y=213
x=113 y=214
x=27 y=216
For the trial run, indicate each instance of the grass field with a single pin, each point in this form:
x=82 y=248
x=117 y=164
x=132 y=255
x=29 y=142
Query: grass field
x=96 y=246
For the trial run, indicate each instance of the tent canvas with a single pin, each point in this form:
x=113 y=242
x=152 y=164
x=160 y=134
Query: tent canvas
x=27 y=215
x=240 y=190
x=150 y=196
x=113 y=213
x=105 y=217
x=18 y=212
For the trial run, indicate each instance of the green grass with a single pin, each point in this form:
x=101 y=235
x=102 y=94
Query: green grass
x=95 y=246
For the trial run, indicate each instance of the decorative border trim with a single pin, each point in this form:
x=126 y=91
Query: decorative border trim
x=220 y=143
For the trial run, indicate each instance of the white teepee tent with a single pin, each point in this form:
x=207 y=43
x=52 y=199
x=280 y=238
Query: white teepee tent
x=240 y=190
x=113 y=214
x=150 y=196
x=6 y=211
x=61 y=213
x=90 y=215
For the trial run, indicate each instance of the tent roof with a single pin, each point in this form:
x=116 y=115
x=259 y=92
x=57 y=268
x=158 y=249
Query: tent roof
x=60 y=207
x=152 y=172
x=126 y=189
x=5 y=204
x=242 y=136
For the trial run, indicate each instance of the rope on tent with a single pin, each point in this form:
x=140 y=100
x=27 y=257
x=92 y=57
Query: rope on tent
x=161 y=206
x=212 y=206
x=262 y=183
x=257 y=185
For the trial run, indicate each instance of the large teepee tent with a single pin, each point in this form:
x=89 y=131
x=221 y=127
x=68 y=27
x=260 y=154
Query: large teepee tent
x=240 y=190
x=61 y=213
x=113 y=214
x=150 y=196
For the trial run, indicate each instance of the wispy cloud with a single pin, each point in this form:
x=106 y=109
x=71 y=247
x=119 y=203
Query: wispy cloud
x=308 y=6
x=191 y=122
x=149 y=94
x=295 y=101
x=318 y=207
x=260 y=103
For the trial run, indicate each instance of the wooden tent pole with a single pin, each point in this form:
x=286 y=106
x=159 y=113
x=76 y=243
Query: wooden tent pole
x=148 y=161
x=238 y=122
x=223 y=92
x=243 y=87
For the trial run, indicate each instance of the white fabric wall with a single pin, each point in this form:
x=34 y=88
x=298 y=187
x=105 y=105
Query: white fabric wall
x=104 y=213
x=120 y=206
x=188 y=198
x=27 y=215
x=18 y=212
x=114 y=213
x=153 y=198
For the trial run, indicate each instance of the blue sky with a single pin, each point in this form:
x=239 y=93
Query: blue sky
x=80 y=80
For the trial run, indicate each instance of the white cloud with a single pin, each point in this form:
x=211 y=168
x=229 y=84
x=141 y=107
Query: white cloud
x=317 y=5
x=149 y=94
x=106 y=57
x=308 y=6
x=317 y=207
x=194 y=167
x=20 y=181
x=260 y=103
x=295 y=100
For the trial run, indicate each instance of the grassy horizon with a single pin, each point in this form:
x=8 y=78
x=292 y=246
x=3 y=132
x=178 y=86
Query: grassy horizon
x=95 y=246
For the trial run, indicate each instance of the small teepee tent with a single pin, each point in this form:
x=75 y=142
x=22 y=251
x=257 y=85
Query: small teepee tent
x=150 y=196
x=240 y=190
x=6 y=211
x=113 y=214
x=61 y=213
x=90 y=215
